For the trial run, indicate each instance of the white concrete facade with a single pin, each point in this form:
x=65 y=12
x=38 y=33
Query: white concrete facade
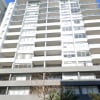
x=50 y=35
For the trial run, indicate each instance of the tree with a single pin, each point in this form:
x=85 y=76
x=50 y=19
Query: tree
x=54 y=95
x=43 y=91
x=95 y=96
x=69 y=95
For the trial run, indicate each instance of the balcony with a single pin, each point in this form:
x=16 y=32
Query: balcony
x=92 y=28
x=92 y=16
x=27 y=70
x=94 y=41
x=86 y=6
x=14 y=30
x=21 y=3
x=25 y=61
x=92 y=37
x=15 y=23
x=47 y=76
x=53 y=43
x=47 y=58
x=87 y=2
x=50 y=82
x=6 y=61
x=53 y=19
x=92 y=23
x=96 y=56
x=94 y=48
x=19 y=13
x=49 y=35
x=16 y=97
x=8 y=50
x=4 y=77
x=52 y=63
x=52 y=27
x=47 y=48
x=91 y=12
x=48 y=31
x=48 y=39
x=38 y=64
x=50 y=20
x=80 y=82
x=12 y=34
x=18 y=7
x=92 y=31
x=12 y=38
x=53 y=76
x=30 y=83
x=11 y=41
x=17 y=18
x=48 y=43
x=2 y=90
x=14 y=26
x=47 y=53
x=48 y=24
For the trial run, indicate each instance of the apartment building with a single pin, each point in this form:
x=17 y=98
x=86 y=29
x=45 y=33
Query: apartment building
x=3 y=7
x=50 y=43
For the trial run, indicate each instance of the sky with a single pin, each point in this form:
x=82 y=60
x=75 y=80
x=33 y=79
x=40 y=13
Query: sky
x=98 y=0
x=14 y=0
x=9 y=1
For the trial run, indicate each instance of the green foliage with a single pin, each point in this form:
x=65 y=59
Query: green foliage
x=54 y=95
x=95 y=96
x=69 y=95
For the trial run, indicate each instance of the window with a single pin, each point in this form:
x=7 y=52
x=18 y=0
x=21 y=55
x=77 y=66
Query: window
x=67 y=36
x=64 y=1
x=80 y=35
x=81 y=45
x=18 y=91
x=24 y=56
x=85 y=63
x=53 y=9
x=22 y=66
x=83 y=53
x=90 y=89
x=77 y=21
x=27 y=39
x=26 y=47
x=87 y=76
x=67 y=28
x=74 y=89
x=78 y=27
x=68 y=46
x=28 y=32
x=20 y=56
x=75 y=10
x=51 y=0
x=74 y=4
x=20 y=77
x=66 y=21
x=44 y=5
x=69 y=62
x=69 y=54
x=74 y=0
